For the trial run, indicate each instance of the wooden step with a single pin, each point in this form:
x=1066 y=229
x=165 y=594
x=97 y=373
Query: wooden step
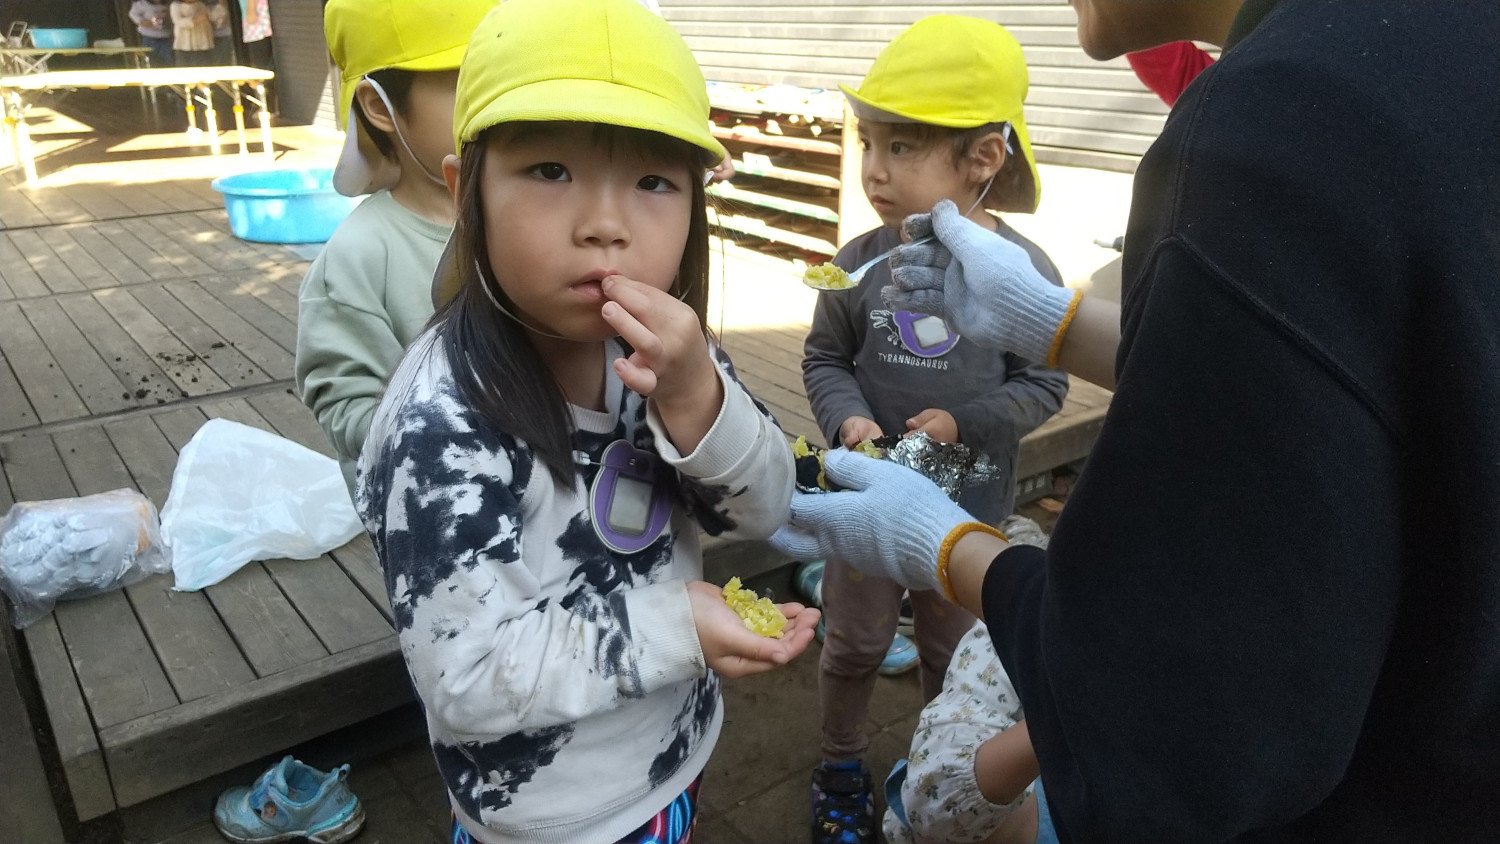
x=729 y=192
x=765 y=231
x=752 y=135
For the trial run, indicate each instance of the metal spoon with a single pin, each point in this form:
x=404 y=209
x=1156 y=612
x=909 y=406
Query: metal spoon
x=859 y=272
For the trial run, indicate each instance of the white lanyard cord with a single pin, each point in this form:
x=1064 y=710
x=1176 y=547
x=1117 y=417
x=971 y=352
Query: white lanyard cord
x=396 y=122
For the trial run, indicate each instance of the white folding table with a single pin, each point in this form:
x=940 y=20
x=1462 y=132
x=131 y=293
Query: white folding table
x=34 y=59
x=197 y=84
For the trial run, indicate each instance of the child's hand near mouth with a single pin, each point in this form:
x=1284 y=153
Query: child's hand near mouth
x=670 y=363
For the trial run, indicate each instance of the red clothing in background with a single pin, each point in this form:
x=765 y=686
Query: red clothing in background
x=1169 y=69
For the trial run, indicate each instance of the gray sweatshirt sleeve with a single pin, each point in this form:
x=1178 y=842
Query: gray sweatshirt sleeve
x=998 y=419
x=828 y=365
x=828 y=355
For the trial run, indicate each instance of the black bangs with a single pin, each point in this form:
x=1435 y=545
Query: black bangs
x=497 y=370
x=642 y=144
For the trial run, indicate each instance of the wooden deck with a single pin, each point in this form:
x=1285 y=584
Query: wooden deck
x=128 y=317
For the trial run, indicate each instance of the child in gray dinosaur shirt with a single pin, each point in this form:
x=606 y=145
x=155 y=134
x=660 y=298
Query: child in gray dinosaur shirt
x=937 y=123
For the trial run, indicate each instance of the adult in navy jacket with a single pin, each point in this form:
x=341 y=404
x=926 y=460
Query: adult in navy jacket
x=1271 y=609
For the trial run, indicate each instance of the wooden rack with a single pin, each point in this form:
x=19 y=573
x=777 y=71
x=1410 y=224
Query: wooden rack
x=787 y=151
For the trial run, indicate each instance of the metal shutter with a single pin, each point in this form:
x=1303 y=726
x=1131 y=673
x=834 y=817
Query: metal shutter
x=1080 y=112
x=306 y=80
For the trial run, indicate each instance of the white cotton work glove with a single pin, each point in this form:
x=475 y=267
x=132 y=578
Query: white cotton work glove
x=984 y=286
x=889 y=522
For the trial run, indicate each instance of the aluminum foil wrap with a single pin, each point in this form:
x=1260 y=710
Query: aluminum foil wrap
x=952 y=466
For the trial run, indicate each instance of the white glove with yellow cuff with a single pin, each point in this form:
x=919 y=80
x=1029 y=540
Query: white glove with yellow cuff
x=888 y=522
x=982 y=285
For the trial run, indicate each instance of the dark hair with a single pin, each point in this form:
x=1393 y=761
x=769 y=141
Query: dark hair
x=1013 y=189
x=396 y=83
x=496 y=369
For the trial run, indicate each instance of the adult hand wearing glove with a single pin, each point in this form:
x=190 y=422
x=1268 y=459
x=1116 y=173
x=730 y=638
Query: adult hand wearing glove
x=889 y=522
x=984 y=286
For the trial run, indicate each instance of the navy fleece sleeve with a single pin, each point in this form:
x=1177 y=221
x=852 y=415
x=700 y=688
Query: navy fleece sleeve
x=1198 y=652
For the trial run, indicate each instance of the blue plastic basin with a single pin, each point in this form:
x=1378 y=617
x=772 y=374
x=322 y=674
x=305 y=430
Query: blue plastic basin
x=59 y=38
x=284 y=206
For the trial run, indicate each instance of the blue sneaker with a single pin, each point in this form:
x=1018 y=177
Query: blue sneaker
x=808 y=581
x=291 y=800
x=843 y=809
x=900 y=658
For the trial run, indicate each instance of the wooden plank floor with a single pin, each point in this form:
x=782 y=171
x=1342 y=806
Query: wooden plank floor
x=143 y=653
x=103 y=317
x=128 y=317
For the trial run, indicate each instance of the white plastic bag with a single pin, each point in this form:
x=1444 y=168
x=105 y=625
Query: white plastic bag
x=69 y=548
x=241 y=494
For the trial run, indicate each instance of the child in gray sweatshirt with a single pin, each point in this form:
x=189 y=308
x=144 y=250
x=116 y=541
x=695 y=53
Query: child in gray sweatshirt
x=940 y=119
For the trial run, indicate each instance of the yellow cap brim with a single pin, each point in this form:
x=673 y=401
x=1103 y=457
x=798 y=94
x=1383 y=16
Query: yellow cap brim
x=908 y=115
x=595 y=101
x=1023 y=141
x=361 y=168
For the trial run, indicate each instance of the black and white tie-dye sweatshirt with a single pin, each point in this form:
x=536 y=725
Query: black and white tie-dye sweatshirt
x=566 y=694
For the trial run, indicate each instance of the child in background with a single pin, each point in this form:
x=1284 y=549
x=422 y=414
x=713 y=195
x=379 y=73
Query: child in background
x=153 y=20
x=940 y=120
x=369 y=293
x=972 y=775
x=218 y=15
x=192 y=34
x=970 y=742
x=537 y=473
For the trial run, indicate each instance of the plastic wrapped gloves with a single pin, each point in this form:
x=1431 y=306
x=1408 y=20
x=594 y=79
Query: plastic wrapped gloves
x=76 y=547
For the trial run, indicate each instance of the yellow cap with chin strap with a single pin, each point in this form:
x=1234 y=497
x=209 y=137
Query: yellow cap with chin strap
x=952 y=71
x=585 y=61
x=369 y=35
x=579 y=61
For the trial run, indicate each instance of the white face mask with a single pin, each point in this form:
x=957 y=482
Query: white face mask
x=396 y=122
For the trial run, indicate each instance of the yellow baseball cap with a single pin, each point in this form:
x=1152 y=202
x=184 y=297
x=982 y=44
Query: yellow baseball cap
x=953 y=71
x=369 y=35
x=587 y=61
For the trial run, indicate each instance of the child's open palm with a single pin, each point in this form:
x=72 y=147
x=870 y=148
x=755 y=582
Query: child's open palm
x=670 y=363
x=733 y=650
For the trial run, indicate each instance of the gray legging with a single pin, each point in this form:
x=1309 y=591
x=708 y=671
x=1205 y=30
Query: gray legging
x=859 y=613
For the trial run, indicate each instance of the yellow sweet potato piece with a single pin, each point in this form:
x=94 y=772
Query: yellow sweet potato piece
x=759 y=614
x=826 y=277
